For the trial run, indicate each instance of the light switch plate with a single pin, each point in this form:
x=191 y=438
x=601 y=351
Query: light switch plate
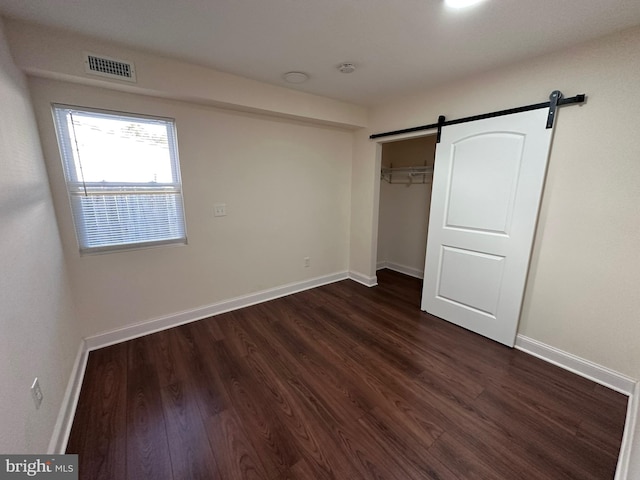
x=220 y=210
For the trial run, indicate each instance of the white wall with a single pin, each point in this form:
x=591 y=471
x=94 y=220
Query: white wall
x=365 y=188
x=40 y=335
x=286 y=185
x=403 y=225
x=582 y=293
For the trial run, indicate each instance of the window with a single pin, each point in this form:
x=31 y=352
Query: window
x=123 y=178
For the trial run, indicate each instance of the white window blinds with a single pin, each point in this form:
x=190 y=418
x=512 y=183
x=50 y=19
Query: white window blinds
x=123 y=178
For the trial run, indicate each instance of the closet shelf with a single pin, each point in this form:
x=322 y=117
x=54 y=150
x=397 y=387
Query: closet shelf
x=407 y=175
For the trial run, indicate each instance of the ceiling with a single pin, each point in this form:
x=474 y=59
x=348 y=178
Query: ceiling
x=397 y=46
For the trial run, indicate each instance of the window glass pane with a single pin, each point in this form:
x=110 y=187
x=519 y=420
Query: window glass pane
x=119 y=149
x=123 y=178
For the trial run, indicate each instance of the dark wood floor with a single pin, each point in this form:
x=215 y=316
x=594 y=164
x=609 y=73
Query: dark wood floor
x=339 y=382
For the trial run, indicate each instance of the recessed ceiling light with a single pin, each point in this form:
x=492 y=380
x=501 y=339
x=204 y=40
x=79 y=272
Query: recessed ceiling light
x=346 y=67
x=295 y=77
x=460 y=3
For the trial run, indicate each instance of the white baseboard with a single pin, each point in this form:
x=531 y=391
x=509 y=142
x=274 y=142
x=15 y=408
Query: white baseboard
x=155 y=325
x=630 y=447
x=363 y=279
x=62 y=428
x=412 y=272
x=597 y=373
x=381 y=264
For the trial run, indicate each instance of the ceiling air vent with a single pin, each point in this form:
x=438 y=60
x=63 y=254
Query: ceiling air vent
x=109 y=67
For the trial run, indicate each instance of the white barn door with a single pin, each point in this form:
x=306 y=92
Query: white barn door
x=486 y=194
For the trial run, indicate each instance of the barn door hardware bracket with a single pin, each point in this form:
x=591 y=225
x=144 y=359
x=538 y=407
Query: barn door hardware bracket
x=441 y=120
x=556 y=100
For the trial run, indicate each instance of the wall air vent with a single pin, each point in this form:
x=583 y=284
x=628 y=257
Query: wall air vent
x=109 y=67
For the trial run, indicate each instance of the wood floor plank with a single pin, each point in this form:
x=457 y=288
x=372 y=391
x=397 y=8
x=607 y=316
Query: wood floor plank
x=462 y=461
x=147 y=444
x=486 y=438
x=556 y=389
x=303 y=470
x=560 y=449
x=195 y=344
x=369 y=458
x=350 y=402
x=600 y=438
x=104 y=432
x=234 y=454
x=210 y=327
x=235 y=338
x=181 y=392
x=191 y=455
x=313 y=439
x=82 y=418
x=338 y=382
x=269 y=438
x=166 y=359
x=401 y=404
x=416 y=459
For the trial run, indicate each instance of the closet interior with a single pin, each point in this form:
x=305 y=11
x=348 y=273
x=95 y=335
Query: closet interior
x=405 y=193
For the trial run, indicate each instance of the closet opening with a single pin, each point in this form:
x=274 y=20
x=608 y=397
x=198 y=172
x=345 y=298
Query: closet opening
x=405 y=197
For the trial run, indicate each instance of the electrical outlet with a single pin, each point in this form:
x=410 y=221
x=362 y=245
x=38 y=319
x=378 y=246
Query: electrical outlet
x=307 y=261
x=36 y=393
x=220 y=210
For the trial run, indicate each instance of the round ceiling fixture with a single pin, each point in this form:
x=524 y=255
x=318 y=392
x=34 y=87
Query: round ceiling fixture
x=295 y=77
x=346 y=67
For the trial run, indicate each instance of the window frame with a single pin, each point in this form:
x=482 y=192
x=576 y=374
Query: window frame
x=76 y=186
